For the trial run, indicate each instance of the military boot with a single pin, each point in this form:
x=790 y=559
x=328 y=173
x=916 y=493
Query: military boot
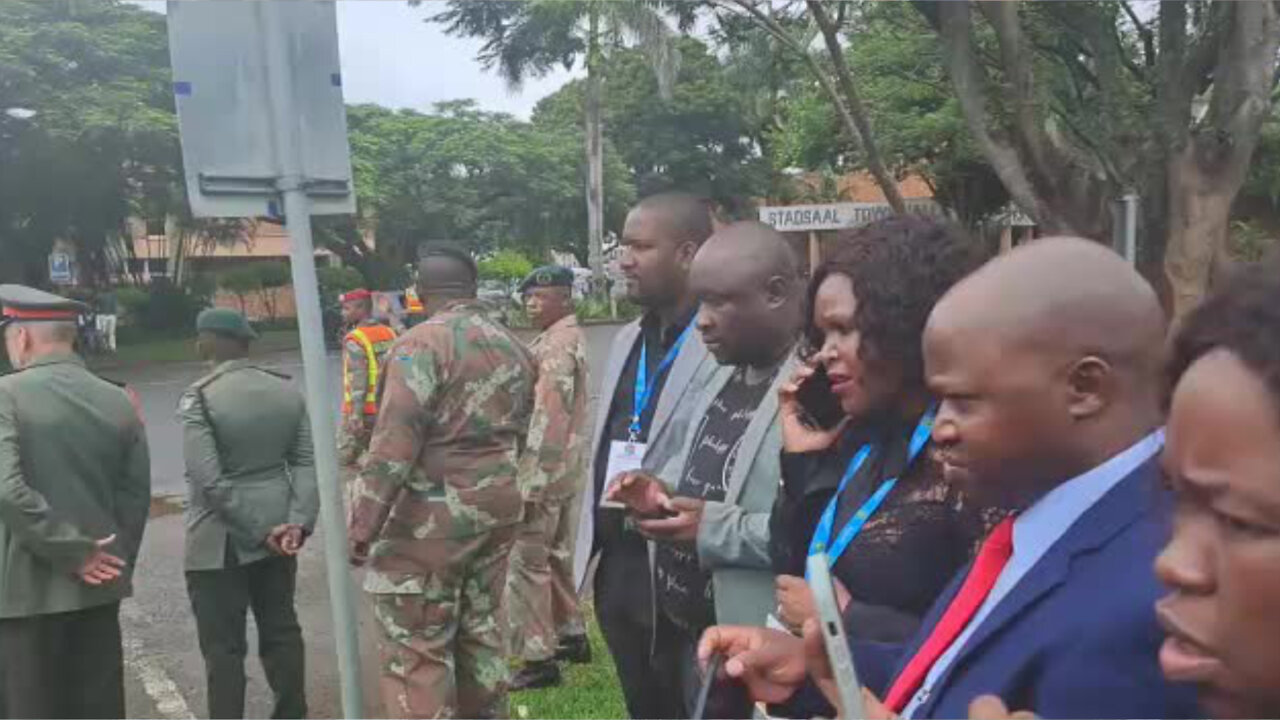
x=535 y=675
x=574 y=649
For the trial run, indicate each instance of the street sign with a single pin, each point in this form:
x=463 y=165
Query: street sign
x=836 y=216
x=225 y=102
x=60 y=268
x=263 y=130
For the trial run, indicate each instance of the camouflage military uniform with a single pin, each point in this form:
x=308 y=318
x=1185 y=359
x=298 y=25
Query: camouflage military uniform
x=437 y=498
x=357 y=424
x=542 y=603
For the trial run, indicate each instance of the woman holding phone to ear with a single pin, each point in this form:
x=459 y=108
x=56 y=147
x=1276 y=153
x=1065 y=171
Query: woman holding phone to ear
x=858 y=479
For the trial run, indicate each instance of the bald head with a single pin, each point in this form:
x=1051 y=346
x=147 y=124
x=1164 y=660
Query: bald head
x=747 y=279
x=445 y=272
x=747 y=252
x=1059 y=342
x=679 y=216
x=1065 y=296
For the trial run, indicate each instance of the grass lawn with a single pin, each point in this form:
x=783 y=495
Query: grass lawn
x=155 y=352
x=588 y=691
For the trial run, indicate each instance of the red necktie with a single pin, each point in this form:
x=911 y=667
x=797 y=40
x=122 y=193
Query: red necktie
x=995 y=552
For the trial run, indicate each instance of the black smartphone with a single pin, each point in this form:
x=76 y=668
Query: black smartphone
x=721 y=699
x=820 y=404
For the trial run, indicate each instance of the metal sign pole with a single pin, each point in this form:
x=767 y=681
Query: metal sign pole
x=297 y=209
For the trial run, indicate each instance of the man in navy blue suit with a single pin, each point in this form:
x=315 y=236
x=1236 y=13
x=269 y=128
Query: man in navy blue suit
x=1046 y=364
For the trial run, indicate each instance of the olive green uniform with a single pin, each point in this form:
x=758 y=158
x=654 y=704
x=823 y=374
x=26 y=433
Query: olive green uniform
x=74 y=469
x=248 y=452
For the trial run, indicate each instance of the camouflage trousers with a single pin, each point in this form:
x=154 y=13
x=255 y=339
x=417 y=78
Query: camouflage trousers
x=442 y=646
x=542 y=604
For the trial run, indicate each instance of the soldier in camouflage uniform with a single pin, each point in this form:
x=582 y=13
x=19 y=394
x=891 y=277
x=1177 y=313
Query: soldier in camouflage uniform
x=364 y=350
x=436 y=505
x=542 y=601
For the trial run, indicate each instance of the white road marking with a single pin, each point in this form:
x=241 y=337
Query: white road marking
x=161 y=688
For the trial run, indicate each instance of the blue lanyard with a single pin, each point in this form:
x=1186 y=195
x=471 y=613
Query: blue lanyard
x=822 y=535
x=644 y=386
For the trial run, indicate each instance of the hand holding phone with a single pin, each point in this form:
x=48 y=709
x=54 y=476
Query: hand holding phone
x=642 y=494
x=811 y=415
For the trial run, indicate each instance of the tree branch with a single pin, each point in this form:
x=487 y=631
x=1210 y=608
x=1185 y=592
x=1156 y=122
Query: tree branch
x=953 y=22
x=1018 y=90
x=856 y=109
x=1173 y=92
x=1144 y=32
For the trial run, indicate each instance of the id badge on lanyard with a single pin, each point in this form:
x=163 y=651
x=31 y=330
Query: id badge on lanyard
x=628 y=455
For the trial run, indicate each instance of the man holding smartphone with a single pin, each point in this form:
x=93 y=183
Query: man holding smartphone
x=652 y=365
x=708 y=509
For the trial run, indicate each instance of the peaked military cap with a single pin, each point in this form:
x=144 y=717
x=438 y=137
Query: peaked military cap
x=225 y=321
x=548 y=276
x=19 y=303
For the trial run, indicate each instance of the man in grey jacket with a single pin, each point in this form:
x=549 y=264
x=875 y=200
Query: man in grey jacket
x=253 y=502
x=654 y=365
x=707 y=509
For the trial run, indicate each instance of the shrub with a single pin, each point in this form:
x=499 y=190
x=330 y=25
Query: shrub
x=163 y=309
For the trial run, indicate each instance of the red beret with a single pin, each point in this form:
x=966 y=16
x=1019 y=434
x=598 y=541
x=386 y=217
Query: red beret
x=358 y=294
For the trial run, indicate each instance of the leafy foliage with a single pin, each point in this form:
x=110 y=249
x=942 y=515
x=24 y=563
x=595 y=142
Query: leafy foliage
x=486 y=180
x=699 y=139
x=507 y=266
x=102 y=137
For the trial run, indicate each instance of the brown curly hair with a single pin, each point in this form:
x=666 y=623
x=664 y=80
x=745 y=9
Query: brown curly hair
x=900 y=267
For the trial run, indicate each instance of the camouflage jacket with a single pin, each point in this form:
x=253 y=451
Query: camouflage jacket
x=552 y=466
x=356 y=426
x=456 y=401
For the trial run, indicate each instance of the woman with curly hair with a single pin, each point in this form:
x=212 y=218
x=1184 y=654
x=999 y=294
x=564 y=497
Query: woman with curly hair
x=867 y=490
x=1222 y=458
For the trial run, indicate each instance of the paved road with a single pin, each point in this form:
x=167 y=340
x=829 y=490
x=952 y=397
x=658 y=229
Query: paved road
x=164 y=673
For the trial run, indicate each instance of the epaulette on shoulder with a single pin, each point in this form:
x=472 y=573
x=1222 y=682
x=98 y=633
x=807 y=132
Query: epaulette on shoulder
x=277 y=373
x=112 y=381
x=206 y=381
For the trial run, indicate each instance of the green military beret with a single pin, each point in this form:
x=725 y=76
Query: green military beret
x=19 y=303
x=548 y=276
x=225 y=321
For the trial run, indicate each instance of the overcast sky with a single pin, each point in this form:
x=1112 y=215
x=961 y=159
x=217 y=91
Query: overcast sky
x=393 y=57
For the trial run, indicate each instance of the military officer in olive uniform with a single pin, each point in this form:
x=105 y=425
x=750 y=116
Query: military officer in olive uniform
x=75 y=489
x=253 y=503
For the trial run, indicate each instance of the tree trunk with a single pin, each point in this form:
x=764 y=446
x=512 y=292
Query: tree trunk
x=1207 y=171
x=1199 y=213
x=595 y=152
x=856 y=113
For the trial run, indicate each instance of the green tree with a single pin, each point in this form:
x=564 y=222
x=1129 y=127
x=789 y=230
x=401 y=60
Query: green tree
x=525 y=39
x=920 y=128
x=271 y=277
x=1074 y=104
x=795 y=28
x=96 y=131
x=506 y=266
x=484 y=179
x=241 y=282
x=700 y=139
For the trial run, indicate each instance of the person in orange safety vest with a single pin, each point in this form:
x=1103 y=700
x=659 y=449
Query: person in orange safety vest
x=364 y=352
